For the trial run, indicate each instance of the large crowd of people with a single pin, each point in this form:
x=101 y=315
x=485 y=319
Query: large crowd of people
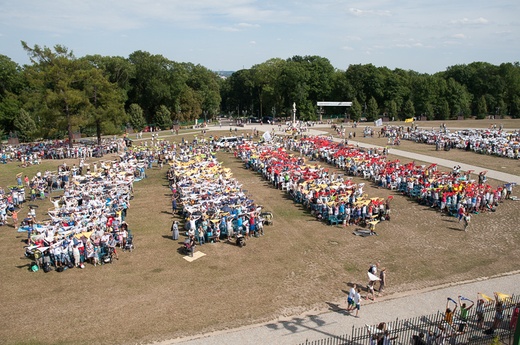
x=212 y=202
x=491 y=141
x=453 y=192
x=33 y=153
x=87 y=220
x=330 y=197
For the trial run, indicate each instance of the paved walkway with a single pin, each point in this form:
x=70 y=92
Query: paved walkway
x=329 y=323
x=318 y=326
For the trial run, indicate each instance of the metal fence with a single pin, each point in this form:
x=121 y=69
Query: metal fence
x=404 y=331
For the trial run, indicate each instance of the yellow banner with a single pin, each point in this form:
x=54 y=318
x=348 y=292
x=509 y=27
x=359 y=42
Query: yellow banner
x=409 y=120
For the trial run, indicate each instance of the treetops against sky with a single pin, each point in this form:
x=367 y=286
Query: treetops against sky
x=58 y=93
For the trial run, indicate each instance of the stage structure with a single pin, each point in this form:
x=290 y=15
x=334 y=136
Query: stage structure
x=332 y=104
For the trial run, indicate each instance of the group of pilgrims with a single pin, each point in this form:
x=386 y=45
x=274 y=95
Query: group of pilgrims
x=294 y=165
x=213 y=204
x=87 y=221
x=491 y=141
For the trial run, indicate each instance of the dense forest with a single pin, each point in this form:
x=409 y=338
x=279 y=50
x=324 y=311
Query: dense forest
x=58 y=94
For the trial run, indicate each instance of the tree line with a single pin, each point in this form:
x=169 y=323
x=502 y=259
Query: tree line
x=270 y=88
x=58 y=94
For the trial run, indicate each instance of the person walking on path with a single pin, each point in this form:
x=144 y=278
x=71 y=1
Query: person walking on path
x=350 y=299
x=382 y=281
x=357 y=301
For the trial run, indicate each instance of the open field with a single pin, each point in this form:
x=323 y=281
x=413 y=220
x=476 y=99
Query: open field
x=154 y=294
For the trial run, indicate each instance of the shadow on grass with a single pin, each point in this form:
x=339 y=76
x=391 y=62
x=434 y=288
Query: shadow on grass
x=457 y=229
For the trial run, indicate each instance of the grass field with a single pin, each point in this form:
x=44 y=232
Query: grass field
x=154 y=294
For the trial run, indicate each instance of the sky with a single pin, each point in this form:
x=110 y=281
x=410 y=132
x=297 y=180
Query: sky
x=229 y=35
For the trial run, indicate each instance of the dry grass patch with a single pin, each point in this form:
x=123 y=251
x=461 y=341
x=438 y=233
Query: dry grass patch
x=153 y=293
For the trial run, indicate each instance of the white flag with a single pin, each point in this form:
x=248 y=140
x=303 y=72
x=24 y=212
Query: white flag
x=267 y=136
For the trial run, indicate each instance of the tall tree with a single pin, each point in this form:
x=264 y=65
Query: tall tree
x=152 y=84
x=392 y=109
x=55 y=82
x=355 y=110
x=482 y=110
x=265 y=76
x=25 y=126
x=71 y=93
x=105 y=110
x=11 y=85
x=135 y=117
x=163 y=117
x=443 y=111
x=409 y=109
x=205 y=83
x=372 y=109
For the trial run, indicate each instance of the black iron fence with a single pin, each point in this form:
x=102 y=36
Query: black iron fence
x=432 y=329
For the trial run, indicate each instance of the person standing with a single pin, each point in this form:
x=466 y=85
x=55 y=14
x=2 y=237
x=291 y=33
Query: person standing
x=463 y=313
x=14 y=215
x=479 y=311
x=357 y=301
x=350 y=298
x=467 y=220
x=371 y=287
x=175 y=231
x=499 y=315
x=382 y=280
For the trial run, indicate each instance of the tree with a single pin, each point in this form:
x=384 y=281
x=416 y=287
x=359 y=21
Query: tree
x=355 y=110
x=265 y=76
x=25 y=126
x=153 y=82
x=69 y=92
x=11 y=85
x=372 y=110
x=237 y=92
x=105 y=109
x=136 y=118
x=444 y=110
x=54 y=79
x=429 y=111
x=482 y=110
x=205 y=83
x=163 y=117
x=409 y=109
x=392 y=110
x=458 y=97
x=189 y=104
